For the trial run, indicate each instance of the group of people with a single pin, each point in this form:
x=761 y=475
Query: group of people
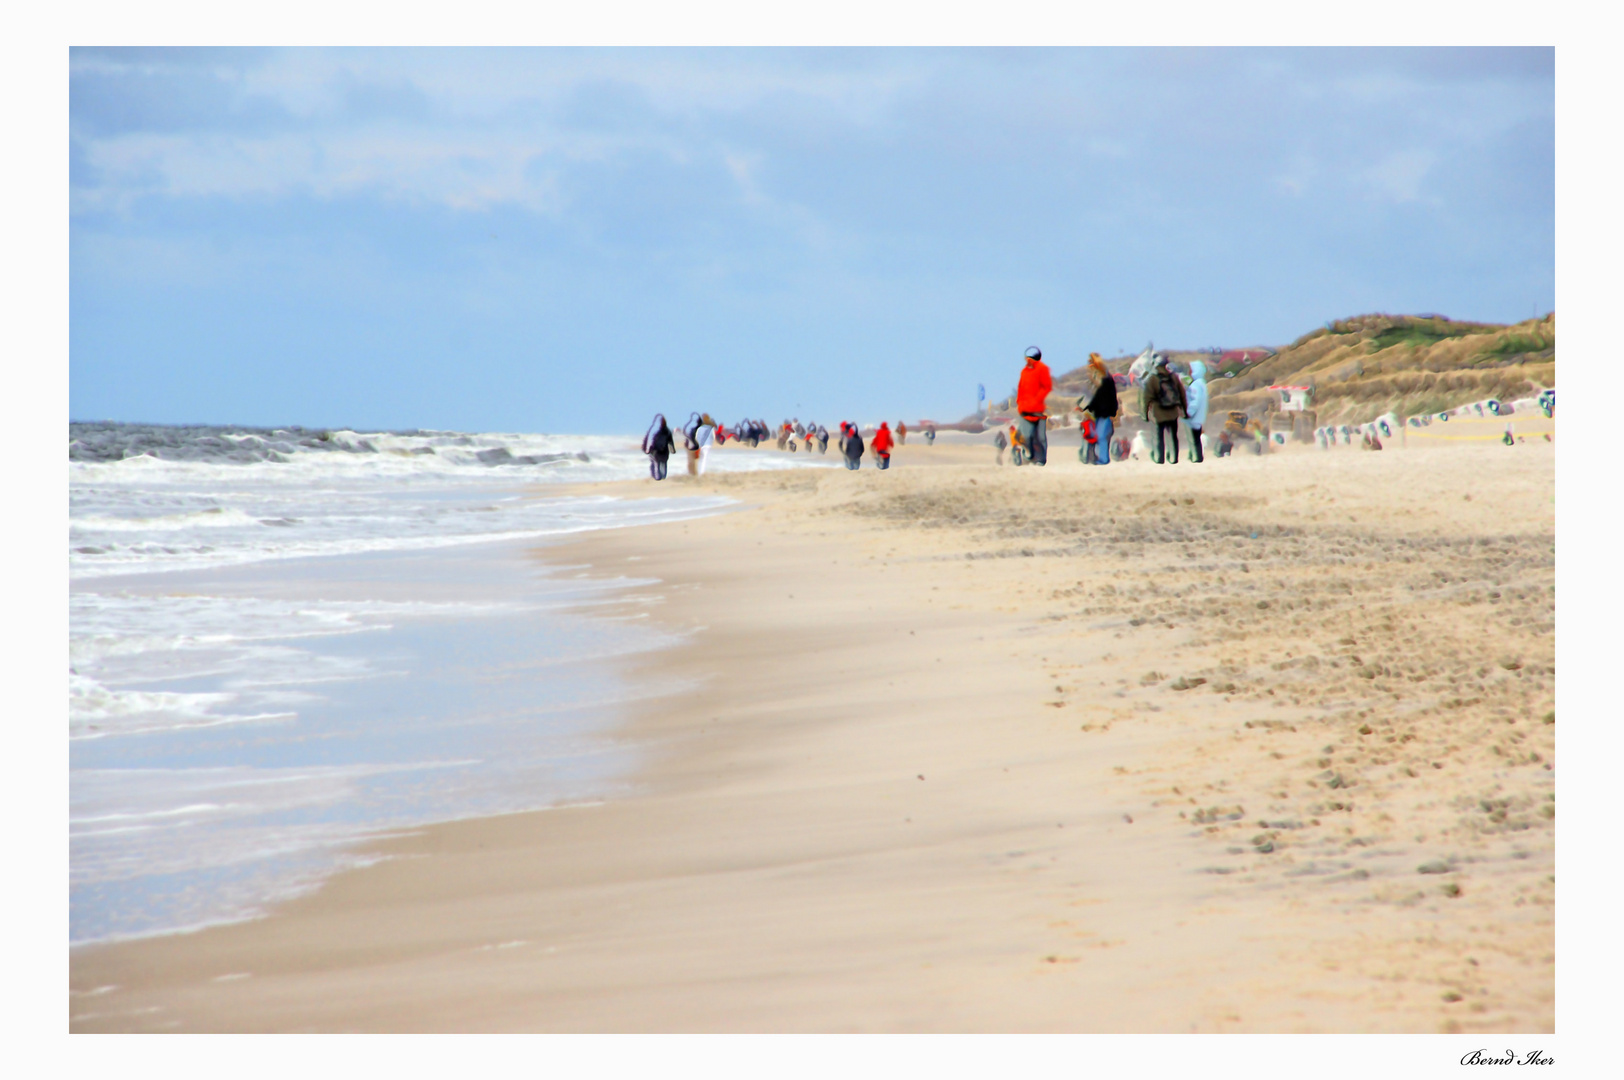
x=1163 y=397
x=791 y=430
x=851 y=445
x=701 y=432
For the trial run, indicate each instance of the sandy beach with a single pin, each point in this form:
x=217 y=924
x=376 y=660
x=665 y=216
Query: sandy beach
x=1265 y=744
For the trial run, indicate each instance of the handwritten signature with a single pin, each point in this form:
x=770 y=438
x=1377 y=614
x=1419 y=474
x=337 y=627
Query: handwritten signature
x=1487 y=1057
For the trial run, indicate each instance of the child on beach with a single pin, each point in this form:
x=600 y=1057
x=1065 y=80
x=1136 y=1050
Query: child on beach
x=1089 y=451
x=1001 y=441
x=1017 y=447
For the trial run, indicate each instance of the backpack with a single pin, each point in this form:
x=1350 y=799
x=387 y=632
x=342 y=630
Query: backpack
x=1167 y=395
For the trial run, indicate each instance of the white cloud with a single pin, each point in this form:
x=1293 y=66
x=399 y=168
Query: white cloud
x=462 y=171
x=1399 y=176
x=490 y=116
x=1300 y=171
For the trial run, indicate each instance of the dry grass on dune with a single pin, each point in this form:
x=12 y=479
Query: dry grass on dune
x=1363 y=367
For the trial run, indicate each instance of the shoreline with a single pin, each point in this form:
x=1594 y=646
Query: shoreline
x=783 y=866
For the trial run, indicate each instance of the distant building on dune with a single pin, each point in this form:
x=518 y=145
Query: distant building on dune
x=1294 y=398
x=1243 y=356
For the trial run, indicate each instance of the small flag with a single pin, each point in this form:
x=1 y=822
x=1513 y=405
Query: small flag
x=981 y=392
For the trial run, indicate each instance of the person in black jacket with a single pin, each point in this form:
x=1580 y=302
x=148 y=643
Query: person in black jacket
x=851 y=445
x=658 y=444
x=1103 y=405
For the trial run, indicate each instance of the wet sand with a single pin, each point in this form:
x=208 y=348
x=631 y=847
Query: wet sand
x=1265 y=744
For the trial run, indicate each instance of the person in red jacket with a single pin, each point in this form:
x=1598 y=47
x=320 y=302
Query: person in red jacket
x=1031 y=401
x=880 y=445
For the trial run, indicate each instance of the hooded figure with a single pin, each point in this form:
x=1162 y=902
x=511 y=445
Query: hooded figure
x=1195 y=395
x=658 y=443
x=690 y=442
x=705 y=437
x=1195 y=407
x=851 y=445
x=882 y=446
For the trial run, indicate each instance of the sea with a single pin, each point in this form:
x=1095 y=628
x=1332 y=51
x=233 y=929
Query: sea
x=286 y=642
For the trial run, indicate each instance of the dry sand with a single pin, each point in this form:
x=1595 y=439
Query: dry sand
x=1265 y=744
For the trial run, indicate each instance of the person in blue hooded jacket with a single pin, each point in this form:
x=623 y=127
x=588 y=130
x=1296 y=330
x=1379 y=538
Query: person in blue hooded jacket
x=1195 y=396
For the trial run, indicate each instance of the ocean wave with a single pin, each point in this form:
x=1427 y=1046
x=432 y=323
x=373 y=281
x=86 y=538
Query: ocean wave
x=96 y=711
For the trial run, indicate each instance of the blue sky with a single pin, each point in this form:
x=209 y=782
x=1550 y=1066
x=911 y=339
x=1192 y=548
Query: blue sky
x=569 y=240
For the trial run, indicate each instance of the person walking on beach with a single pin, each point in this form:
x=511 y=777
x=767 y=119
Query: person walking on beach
x=1001 y=441
x=930 y=436
x=882 y=446
x=902 y=432
x=690 y=443
x=705 y=437
x=1162 y=398
x=1103 y=406
x=1195 y=400
x=851 y=445
x=1031 y=401
x=658 y=443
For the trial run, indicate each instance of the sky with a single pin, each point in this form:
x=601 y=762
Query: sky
x=569 y=240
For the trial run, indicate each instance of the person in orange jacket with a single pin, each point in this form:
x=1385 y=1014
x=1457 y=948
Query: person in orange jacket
x=1031 y=401
x=881 y=446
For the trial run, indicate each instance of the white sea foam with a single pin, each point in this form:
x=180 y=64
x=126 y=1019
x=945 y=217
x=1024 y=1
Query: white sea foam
x=375 y=492
x=232 y=736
